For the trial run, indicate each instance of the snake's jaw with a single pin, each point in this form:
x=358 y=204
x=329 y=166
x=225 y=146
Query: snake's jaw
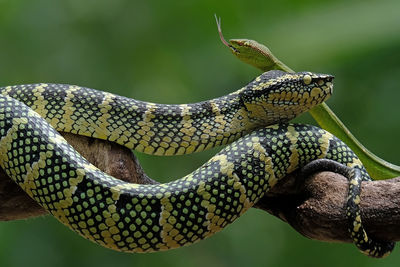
x=307 y=89
x=321 y=86
x=277 y=95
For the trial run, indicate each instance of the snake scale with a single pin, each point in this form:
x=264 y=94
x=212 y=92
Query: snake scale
x=144 y=218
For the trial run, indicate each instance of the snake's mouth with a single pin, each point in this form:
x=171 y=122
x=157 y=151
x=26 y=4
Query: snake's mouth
x=328 y=87
x=323 y=87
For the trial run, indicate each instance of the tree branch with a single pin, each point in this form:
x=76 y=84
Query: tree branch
x=313 y=206
x=316 y=207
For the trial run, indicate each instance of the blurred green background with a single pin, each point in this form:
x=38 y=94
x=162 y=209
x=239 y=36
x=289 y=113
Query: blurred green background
x=169 y=52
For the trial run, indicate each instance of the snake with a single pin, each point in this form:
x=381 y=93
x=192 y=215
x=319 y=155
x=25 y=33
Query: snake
x=254 y=120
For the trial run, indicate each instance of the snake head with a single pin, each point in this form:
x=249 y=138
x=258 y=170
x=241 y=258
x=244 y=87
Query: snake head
x=250 y=51
x=277 y=96
x=253 y=53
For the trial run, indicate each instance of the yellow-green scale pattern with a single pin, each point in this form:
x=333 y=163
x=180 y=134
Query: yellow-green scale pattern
x=161 y=129
x=143 y=218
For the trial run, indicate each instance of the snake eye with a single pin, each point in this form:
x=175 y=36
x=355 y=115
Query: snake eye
x=307 y=79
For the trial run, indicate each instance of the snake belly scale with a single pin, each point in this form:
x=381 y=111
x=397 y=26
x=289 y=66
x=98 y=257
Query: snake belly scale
x=145 y=218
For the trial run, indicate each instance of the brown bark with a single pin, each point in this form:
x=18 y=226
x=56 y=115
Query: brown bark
x=314 y=207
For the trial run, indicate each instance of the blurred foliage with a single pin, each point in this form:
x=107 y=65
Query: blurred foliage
x=169 y=52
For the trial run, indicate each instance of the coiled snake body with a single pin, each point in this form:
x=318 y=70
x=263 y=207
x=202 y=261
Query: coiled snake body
x=145 y=218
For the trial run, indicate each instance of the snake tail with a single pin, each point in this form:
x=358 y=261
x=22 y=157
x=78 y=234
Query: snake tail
x=371 y=247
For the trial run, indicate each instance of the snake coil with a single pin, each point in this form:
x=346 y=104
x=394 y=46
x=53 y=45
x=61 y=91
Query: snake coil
x=144 y=218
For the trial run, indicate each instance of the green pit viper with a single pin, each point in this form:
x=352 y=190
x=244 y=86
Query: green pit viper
x=144 y=218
